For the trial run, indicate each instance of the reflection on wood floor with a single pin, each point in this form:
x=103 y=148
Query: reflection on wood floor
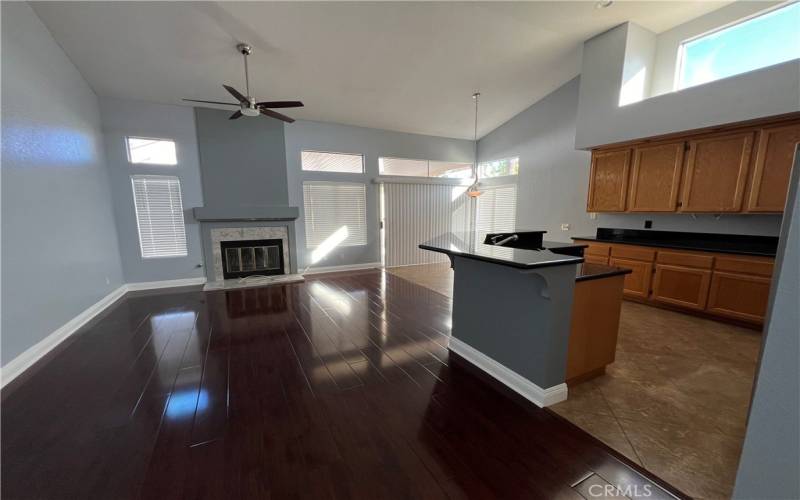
x=339 y=387
x=675 y=400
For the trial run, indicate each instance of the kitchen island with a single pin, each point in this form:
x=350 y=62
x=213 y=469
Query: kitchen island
x=513 y=308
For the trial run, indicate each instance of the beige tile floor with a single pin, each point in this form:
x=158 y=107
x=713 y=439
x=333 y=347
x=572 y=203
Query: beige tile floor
x=676 y=398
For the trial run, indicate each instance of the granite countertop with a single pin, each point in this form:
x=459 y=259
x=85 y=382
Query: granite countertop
x=589 y=271
x=458 y=244
x=705 y=242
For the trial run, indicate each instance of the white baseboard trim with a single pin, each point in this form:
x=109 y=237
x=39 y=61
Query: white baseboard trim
x=511 y=379
x=154 y=285
x=349 y=267
x=18 y=365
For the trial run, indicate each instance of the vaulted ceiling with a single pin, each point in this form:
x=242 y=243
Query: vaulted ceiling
x=406 y=66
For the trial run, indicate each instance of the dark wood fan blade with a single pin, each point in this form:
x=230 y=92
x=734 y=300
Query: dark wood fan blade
x=214 y=102
x=235 y=116
x=280 y=104
x=235 y=93
x=275 y=114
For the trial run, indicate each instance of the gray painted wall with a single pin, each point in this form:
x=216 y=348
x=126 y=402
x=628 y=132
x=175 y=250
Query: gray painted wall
x=554 y=177
x=771 y=453
x=123 y=118
x=60 y=252
x=764 y=92
x=243 y=162
x=372 y=143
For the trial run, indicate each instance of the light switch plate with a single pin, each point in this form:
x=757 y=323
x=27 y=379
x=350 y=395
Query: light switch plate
x=565 y=227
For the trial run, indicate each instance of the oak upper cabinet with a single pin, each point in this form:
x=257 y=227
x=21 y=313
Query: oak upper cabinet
x=608 y=180
x=772 y=168
x=655 y=177
x=716 y=173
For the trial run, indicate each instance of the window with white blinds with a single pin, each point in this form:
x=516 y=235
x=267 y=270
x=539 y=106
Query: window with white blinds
x=496 y=211
x=320 y=161
x=424 y=168
x=335 y=213
x=159 y=215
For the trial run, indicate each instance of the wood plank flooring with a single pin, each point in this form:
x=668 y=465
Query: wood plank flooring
x=339 y=387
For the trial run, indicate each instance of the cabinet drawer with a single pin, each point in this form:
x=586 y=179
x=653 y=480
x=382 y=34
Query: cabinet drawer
x=637 y=284
x=739 y=296
x=761 y=266
x=633 y=252
x=595 y=259
x=685 y=259
x=599 y=249
x=681 y=286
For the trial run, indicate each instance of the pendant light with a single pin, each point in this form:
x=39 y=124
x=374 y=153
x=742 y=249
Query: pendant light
x=473 y=191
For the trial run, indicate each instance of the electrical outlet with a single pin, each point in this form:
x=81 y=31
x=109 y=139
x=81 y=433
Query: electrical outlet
x=593 y=215
x=648 y=224
x=565 y=227
x=108 y=280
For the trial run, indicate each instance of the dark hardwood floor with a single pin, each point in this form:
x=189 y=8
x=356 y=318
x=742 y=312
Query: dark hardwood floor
x=339 y=387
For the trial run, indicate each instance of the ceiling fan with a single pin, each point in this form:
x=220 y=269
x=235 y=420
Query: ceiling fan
x=248 y=105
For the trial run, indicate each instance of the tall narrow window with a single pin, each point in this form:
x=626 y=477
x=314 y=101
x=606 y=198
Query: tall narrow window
x=496 y=211
x=151 y=151
x=159 y=215
x=320 y=161
x=335 y=214
x=766 y=39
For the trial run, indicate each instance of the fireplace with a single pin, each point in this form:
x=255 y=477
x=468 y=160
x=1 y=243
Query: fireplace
x=242 y=258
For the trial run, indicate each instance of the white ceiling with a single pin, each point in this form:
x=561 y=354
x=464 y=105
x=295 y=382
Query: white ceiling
x=410 y=67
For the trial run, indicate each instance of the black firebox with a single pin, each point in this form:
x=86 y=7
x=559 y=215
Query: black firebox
x=251 y=257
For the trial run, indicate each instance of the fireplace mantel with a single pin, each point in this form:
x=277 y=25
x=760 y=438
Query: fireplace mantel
x=255 y=213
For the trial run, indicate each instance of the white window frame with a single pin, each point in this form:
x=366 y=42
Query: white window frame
x=185 y=252
x=681 y=56
x=332 y=172
x=163 y=139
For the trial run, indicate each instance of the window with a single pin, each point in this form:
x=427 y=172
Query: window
x=424 y=168
x=159 y=215
x=335 y=215
x=499 y=168
x=152 y=151
x=496 y=211
x=318 y=161
x=764 y=40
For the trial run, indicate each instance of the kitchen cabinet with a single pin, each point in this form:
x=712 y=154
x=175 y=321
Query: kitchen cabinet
x=681 y=286
x=637 y=283
x=735 y=168
x=608 y=181
x=739 y=296
x=772 y=168
x=716 y=173
x=655 y=177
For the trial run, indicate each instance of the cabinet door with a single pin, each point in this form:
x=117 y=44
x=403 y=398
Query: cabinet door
x=656 y=177
x=716 y=171
x=739 y=296
x=608 y=181
x=681 y=286
x=773 y=166
x=637 y=284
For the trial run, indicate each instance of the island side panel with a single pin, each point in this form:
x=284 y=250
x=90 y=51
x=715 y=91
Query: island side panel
x=519 y=318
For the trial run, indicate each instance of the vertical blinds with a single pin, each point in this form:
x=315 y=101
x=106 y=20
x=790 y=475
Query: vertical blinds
x=159 y=215
x=414 y=213
x=496 y=211
x=319 y=161
x=335 y=207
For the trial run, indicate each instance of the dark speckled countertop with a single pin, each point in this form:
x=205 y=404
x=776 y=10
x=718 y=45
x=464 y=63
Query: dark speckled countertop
x=704 y=242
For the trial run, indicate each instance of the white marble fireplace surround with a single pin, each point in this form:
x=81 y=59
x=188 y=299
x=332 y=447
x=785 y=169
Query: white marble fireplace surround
x=221 y=234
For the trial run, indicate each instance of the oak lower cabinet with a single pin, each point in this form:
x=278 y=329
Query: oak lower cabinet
x=637 y=283
x=595 y=259
x=681 y=286
x=739 y=296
